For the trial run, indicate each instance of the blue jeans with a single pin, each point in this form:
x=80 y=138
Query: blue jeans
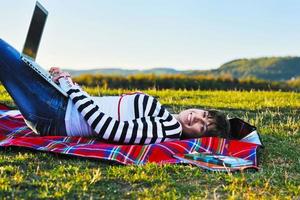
x=42 y=106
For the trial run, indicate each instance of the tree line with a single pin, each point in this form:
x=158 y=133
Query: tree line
x=181 y=81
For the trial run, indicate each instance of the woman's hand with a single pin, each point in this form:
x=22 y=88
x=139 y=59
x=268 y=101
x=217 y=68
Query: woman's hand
x=57 y=73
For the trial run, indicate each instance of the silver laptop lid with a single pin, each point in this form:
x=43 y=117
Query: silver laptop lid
x=35 y=31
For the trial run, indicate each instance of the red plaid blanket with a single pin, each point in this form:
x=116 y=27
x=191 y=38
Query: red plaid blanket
x=14 y=132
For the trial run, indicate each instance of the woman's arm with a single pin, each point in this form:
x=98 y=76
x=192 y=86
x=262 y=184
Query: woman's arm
x=143 y=130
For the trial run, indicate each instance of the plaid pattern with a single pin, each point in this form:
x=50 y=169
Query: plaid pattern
x=14 y=132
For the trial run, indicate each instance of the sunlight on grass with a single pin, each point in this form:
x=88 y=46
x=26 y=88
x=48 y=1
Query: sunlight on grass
x=30 y=175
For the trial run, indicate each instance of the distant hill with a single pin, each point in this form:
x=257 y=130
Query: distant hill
x=125 y=72
x=267 y=68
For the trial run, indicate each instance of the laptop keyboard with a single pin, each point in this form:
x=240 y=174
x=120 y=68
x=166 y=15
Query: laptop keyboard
x=42 y=73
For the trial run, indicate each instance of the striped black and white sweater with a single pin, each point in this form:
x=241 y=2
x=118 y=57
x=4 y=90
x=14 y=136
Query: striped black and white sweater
x=147 y=120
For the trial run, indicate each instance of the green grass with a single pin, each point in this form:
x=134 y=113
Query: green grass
x=26 y=174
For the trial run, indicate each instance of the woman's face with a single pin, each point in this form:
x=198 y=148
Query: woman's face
x=195 y=122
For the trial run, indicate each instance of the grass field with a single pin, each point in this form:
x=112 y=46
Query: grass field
x=26 y=174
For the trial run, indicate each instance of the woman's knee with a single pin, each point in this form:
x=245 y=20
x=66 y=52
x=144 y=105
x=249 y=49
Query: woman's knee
x=9 y=57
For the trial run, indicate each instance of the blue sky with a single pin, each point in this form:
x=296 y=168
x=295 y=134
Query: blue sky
x=140 y=34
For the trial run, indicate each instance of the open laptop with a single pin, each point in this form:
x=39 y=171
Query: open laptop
x=32 y=42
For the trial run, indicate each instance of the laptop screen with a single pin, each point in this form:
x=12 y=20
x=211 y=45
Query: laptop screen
x=35 y=31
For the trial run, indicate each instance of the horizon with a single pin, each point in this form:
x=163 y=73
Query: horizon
x=194 y=35
x=172 y=68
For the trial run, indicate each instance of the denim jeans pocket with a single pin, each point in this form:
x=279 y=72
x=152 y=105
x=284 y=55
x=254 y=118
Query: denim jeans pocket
x=57 y=102
x=39 y=125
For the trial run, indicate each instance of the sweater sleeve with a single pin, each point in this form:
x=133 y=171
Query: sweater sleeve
x=145 y=129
